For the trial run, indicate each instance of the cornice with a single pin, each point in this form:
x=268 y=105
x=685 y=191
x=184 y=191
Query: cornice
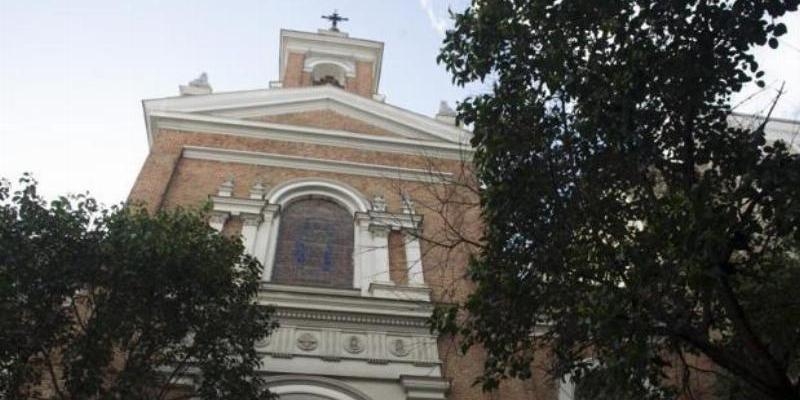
x=352 y=318
x=392 y=220
x=291 y=133
x=241 y=101
x=237 y=206
x=336 y=305
x=314 y=164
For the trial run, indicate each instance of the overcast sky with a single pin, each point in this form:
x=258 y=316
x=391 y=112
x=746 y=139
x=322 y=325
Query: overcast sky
x=73 y=73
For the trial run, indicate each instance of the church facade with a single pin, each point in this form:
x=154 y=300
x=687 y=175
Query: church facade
x=335 y=192
x=342 y=197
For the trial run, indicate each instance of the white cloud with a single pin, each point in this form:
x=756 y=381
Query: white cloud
x=439 y=24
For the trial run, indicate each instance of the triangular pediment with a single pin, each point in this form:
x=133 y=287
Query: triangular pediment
x=320 y=107
x=325 y=118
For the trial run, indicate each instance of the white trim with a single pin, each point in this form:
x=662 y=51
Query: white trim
x=325 y=387
x=236 y=206
x=392 y=291
x=312 y=60
x=348 y=196
x=395 y=221
x=233 y=101
x=424 y=387
x=328 y=304
x=337 y=107
x=313 y=164
x=289 y=133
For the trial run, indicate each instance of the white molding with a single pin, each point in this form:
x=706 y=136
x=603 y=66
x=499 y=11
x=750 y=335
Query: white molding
x=306 y=384
x=347 y=196
x=323 y=137
x=238 y=101
x=313 y=164
x=394 y=221
x=345 y=304
x=352 y=370
x=236 y=206
x=400 y=292
x=402 y=130
x=313 y=59
x=424 y=387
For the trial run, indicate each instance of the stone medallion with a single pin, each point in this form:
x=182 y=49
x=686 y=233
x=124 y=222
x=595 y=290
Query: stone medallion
x=399 y=347
x=353 y=344
x=307 y=342
x=263 y=343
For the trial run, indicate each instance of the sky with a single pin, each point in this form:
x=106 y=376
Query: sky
x=73 y=73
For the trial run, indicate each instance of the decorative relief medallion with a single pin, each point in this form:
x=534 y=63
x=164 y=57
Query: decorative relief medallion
x=307 y=342
x=399 y=347
x=263 y=343
x=354 y=344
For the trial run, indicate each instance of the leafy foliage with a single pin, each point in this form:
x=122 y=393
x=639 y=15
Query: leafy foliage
x=120 y=304
x=627 y=217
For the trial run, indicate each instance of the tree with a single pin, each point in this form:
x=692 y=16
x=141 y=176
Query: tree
x=120 y=304
x=627 y=217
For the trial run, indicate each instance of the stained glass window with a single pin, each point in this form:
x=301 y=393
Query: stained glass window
x=315 y=245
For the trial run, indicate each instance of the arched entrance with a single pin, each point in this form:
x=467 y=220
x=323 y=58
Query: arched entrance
x=299 y=387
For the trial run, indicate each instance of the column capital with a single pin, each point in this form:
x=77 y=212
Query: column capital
x=249 y=219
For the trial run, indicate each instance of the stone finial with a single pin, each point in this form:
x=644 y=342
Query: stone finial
x=446 y=113
x=258 y=191
x=379 y=203
x=196 y=86
x=226 y=188
x=408 y=204
x=445 y=109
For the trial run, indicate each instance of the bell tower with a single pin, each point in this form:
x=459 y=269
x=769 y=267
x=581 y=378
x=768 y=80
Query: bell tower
x=330 y=57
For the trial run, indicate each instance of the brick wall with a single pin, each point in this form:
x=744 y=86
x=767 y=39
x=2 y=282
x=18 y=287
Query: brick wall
x=293 y=74
x=326 y=119
x=398 y=269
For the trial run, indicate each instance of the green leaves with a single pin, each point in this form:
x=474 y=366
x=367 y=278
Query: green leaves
x=627 y=217
x=118 y=303
x=773 y=43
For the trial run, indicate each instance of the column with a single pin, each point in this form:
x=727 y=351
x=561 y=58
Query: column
x=413 y=258
x=217 y=220
x=265 y=238
x=380 y=253
x=250 y=223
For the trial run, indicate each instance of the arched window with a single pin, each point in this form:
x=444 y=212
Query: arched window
x=328 y=74
x=315 y=244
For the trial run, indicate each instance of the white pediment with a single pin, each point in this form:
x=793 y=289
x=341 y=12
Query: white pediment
x=241 y=107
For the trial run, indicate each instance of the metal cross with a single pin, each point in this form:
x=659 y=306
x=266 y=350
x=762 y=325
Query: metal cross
x=335 y=18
